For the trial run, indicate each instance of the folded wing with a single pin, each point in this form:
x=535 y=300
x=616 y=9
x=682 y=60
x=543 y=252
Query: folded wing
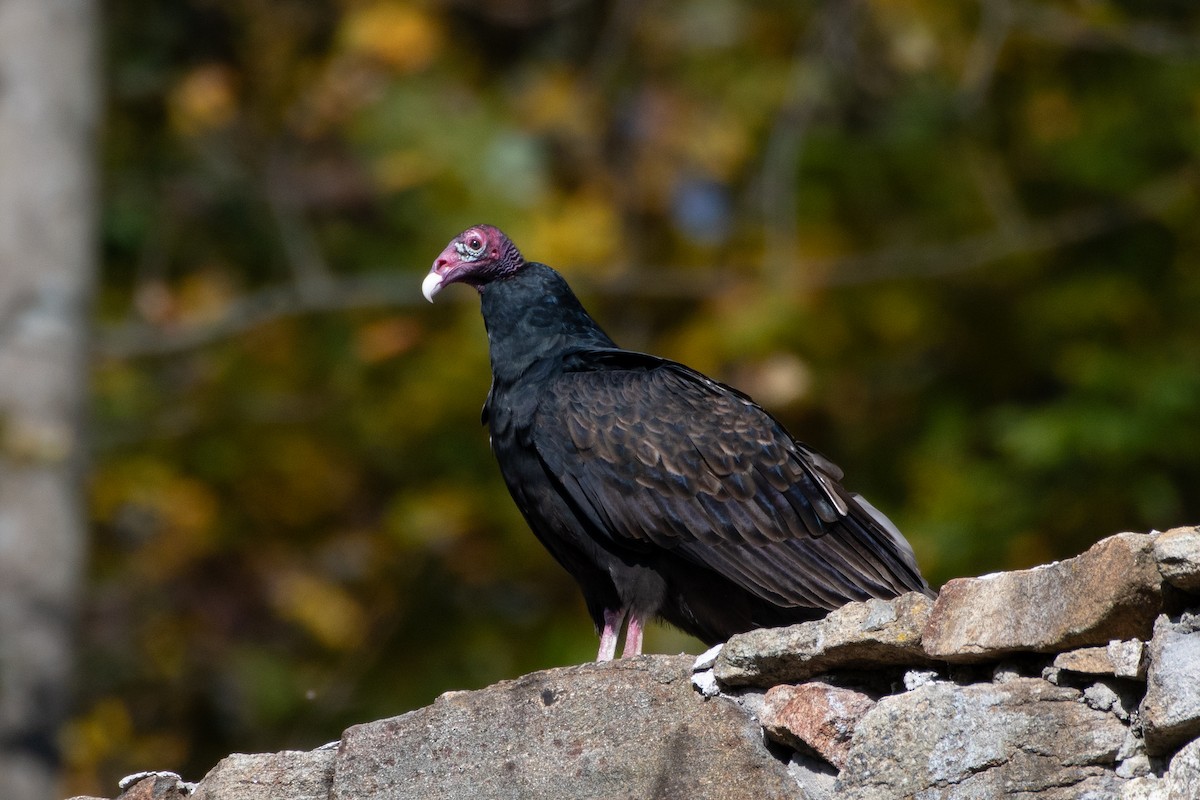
x=652 y=454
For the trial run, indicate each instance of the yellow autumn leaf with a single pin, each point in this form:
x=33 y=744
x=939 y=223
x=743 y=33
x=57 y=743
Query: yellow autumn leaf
x=94 y=736
x=396 y=34
x=205 y=295
x=176 y=513
x=430 y=519
x=204 y=100
x=580 y=229
x=558 y=100
x=324 y=609
x=398 y=170
x=717 y=142
x=386 y=338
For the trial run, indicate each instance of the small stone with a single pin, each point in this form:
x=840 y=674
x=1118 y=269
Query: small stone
x=1117 y=697
x=705 y=660
x=1086 y=660
x=1005 y=671
x=816 y=715
x=870 y=634
x=1112 y=591
x=1134 y=767
x=706 y=683
x=155 y=786
x=919 y=677
x=1128 y=658
x=1101 y=697
x=137 y=777
x=1123 y=659
x=1178 y=554
x=1171 y=707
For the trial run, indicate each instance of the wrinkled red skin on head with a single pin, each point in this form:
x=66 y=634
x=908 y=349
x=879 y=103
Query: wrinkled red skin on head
x=461 y=263
x=455 y=258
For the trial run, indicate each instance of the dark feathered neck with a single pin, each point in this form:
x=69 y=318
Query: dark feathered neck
x=533 y=316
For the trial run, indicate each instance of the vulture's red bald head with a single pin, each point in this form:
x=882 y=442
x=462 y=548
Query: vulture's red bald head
x=477 y=256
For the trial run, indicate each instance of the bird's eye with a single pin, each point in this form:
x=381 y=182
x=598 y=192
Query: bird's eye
x=475 y=245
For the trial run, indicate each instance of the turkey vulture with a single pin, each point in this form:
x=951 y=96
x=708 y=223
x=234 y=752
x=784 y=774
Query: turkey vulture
x=663 y=492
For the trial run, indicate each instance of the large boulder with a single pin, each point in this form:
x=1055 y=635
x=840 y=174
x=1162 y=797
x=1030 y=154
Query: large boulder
x=1178 y=555
x=291 y=774
x=1112 y=591
x=869 y=635
x=814 y=716
x=1171 y=708
x=1020 y=739
x=629 y=728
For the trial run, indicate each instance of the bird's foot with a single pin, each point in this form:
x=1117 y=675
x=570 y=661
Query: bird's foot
x=613 y=619
x=633 y=637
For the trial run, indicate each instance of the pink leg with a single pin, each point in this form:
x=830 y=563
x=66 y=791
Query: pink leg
x=633 y=637
x=608 y=637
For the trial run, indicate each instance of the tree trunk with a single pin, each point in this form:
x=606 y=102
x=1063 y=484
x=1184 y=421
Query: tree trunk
x=49 y=107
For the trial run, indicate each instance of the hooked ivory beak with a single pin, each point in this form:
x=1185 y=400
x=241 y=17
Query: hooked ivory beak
x=431 y=285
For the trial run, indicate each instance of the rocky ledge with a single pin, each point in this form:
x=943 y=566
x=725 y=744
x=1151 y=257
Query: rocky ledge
x=1078 y=679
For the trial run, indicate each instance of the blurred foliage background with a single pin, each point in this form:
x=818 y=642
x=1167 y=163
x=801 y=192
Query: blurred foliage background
x=954 y=246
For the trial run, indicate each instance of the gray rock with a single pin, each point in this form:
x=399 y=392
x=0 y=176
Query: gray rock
x=160 y=781
x=1180 y=782
x=1178 y=554
x=706 y=683
x=289 y=775
x=919 y=677
x=1117 y=697
x=1171 y=708
x=816 y=777
x=705 y=660
x=152 y=786
x=814 y=715
x=1134 y=767
x=1145 y=788
x=1118 y=658
x=871 y=634
x=1006 y=671
x=1021 y=739
x=1183 y=775
x=630 y=728
x=1112 y=591
x=703 y=677
x=1101 y=697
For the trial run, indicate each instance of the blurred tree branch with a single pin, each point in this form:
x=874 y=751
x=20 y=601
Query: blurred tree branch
x=996 y=17
x=1013 y=236
x=824 y=56
x=1055 y=24
x=1013 y=239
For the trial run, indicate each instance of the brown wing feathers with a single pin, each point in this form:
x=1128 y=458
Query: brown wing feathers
x=666 y=457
